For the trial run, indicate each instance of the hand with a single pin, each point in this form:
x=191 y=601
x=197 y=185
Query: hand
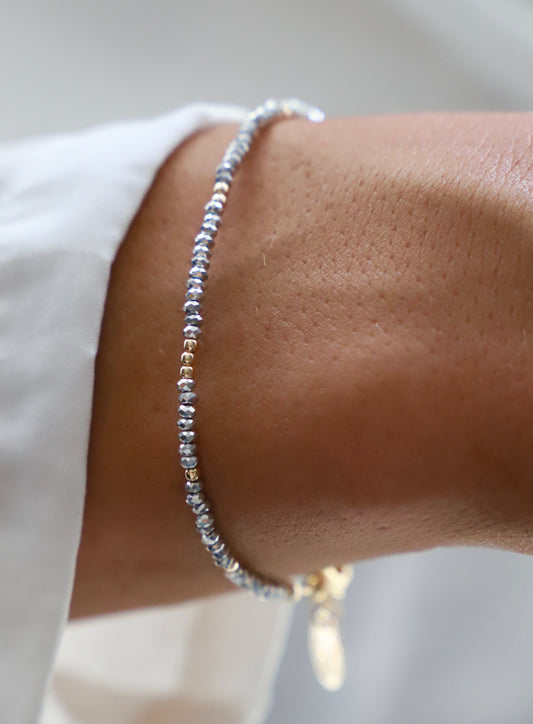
x=365 y=371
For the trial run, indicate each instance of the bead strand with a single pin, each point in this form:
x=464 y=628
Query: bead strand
x=195 y=291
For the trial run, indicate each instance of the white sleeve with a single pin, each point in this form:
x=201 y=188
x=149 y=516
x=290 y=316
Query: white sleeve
x=65 y=205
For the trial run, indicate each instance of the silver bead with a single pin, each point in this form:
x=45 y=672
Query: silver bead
x=188 y=398
x=194 y=319
x=198 y=272
x=202 y=508
x=187 y=436
x=202 y=249
x=194 y=293
x=192 y=282
x=185 y=423
x=187 y=449
x=194 y=499
x=214 y=219
x=192 y=332
x=200 y=259
x=214 y=206
x=185 y=384
x=189 y=462
x=186 y=411
x=204 y=522
x=193 y=486
x=216 y=548
x=204 y=238
x=192 y=307
x=210 y=539
x=209 y=228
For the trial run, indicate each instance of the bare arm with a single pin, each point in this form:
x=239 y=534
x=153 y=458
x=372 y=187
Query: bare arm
x=366 y=368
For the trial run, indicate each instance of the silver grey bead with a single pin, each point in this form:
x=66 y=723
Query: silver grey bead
x=192 y=282
x=200 y=259
x=187 y=449
x=214 y=206
x=223 y=560
x=194 y=293
x=209 y=227
x=188 y=398
x=202 y=249
x=185 y=384
x=189 y=462
x=192 y=332
x=186 y=411
x=204 y=522
x=193 y=486
x=214 y=219
x=218 y=198
x=210 y=539
x=194 y=499
x=196 y=319
x=198 y=272
x=204 y=238
x=192 y=307
x=185 y=423
x=217 y=548
x=202 y=508
x=187 y=436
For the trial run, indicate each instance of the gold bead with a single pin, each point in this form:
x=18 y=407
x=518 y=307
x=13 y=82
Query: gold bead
x=189 y=345
x=186 y=372
x=187 y=358
x=221 y=187
x=192 y=474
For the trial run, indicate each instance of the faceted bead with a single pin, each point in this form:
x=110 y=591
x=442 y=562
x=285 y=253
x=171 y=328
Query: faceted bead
x=214 y=219
x=186 y=371
x=192 y=307
x=187 y=358
x=204 y=238
x=217 y=548
x=191 y=487
x=186 y=384
x=209 y=228
x=201 y=249
x=210 y=539
x=198 y=272
x=188 y=397
x=193 y=282
x=194 y=499
x=187 y=449
x=194 y=293
x=222 y=560
x=192 y=474
x=185 y=423
x=187 y=436
x=233 y=566
x=186 y=410
x=214 y=206
x=194 y=319
x=189 y=345
x=221 y=187
x=225 y=176
x=201 y=509
x=189 y=462
x=204 y=522
x=200 y=259
x=192 y=331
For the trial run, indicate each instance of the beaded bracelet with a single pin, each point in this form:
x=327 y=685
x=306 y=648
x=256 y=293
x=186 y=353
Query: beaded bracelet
x=329 y=585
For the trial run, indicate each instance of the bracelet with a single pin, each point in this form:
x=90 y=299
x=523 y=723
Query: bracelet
x=328 y=586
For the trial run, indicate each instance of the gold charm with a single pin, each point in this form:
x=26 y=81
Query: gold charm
x=326 y=650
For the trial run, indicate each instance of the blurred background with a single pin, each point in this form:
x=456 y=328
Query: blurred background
x=444 y=637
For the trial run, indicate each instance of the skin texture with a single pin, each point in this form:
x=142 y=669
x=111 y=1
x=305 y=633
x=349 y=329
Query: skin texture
x=366 y=367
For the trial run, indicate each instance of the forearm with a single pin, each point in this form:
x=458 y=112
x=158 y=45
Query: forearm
x=365 y=372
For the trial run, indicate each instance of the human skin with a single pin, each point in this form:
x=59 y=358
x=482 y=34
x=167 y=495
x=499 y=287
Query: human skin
x=365 y=372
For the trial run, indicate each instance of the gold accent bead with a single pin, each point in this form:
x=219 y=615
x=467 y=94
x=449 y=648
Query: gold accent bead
x=221 y=187
x=192 y=474
x=186 y=372
x=189 y=345
x=187 y=358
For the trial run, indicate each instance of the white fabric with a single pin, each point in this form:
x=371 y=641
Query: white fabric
x=65 y=205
